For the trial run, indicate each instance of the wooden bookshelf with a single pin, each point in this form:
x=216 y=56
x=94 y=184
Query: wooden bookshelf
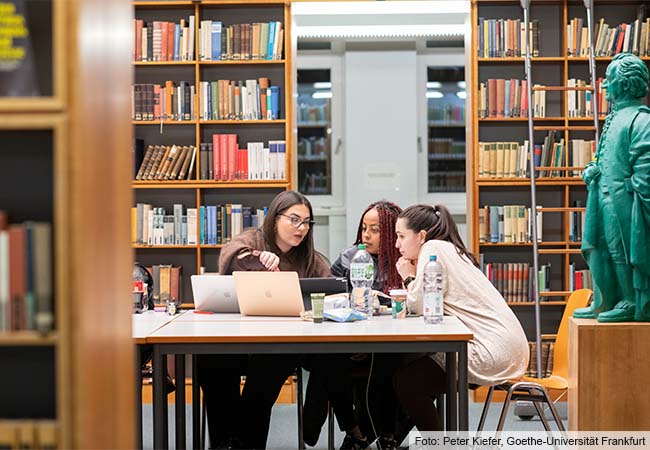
x=196 y=192
x=552 y=68
x=55 y=388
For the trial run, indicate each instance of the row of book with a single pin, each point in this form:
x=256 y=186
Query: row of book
x=507 y=223
x=169 y=101
x=313 y=148
x=240 y=41
x=206 y=225
x=167 y=286
x=253 y=99
x=223 y=160
x=579 y=279
x=447 y=181
x=26 y=276
x=315 y=183
x=512 y=280
x=29 y=434
x=505 y=38
x=314 y=114
x=163 y=41
x=580 y=101
x=165 y=162
x=511 y=159
x=502 y=159
x=445 y=146
x=548 y=351
x=633 y=37
x=501 y=98
x=447 y=113
x=576 y=222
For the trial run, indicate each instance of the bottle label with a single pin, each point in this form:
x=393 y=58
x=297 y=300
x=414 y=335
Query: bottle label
x=432 y=304
x=361 y=271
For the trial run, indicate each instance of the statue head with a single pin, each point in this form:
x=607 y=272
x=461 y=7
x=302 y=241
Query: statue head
x=626 y=78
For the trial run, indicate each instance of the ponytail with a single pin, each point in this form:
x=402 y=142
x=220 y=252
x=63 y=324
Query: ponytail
x=439 y=224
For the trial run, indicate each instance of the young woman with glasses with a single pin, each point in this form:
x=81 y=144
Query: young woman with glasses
x=285 y=242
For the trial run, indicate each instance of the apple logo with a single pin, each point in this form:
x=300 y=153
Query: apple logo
x=267 y=294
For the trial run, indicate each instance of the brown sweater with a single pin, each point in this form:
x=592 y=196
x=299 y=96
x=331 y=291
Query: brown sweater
x=242 y=253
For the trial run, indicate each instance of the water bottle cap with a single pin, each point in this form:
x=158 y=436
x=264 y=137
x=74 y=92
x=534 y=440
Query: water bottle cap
x=361 y=247
x=433 y=257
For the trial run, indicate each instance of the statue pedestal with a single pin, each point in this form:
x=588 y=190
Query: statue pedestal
x=609 y=376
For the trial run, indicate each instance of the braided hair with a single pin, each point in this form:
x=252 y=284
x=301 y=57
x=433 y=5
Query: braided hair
x=439 y=224
x=388 y=253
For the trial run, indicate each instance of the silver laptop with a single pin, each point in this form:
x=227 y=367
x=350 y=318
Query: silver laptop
x=215 y=293
x=268 y=293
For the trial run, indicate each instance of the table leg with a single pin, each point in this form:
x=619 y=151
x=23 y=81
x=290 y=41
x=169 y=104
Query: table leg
x=451 y=368
x=181 y=443
x=463 y=401
x=138 y=398
x=160 y=438
x=196 y=406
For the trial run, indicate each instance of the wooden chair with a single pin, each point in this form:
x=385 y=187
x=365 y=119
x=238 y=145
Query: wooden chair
x=535 y=390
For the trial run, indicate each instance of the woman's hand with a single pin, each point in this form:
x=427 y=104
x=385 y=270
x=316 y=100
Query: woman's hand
x=270 y=260
x=406 y=267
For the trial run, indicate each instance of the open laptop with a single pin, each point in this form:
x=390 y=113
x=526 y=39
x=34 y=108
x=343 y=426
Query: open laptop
x=215 y=293
x=325 y=285
x=268 y=293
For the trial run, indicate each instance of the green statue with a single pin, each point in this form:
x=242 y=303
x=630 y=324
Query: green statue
x=616 y=237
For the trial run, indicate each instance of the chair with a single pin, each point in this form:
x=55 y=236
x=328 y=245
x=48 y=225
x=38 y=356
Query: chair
x=535 y=389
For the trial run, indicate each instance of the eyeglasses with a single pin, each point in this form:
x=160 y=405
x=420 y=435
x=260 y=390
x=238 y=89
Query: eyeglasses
x=297 y=223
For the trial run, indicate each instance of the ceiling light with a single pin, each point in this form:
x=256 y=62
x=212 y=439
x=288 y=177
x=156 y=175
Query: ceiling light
x=322 y=85
x=350 y=31
x=321 y=95
x=462 y=85
x=402 y=7
x=434 y=84
x=435 y=94
x=462 y=94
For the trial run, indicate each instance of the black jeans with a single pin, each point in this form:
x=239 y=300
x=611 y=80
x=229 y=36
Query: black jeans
x=220 y=377
x=417 y=383
x=266 y=375
x=342 y=380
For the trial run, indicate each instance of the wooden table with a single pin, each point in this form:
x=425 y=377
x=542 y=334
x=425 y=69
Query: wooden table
x=232 y=334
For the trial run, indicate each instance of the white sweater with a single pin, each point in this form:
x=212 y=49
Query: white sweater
x=499 y=350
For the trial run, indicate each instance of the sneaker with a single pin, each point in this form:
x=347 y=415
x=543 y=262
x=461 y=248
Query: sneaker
x=352 y=443
x=387 y=442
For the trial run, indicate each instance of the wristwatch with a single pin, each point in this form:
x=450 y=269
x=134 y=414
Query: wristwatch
x=408 y=281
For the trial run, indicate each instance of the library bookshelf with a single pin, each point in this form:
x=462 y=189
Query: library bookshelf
x=559 y=196
x=197 y=192
x=54 y=169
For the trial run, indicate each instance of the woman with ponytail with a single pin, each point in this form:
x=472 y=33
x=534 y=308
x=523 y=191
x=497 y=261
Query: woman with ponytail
x=499 y=349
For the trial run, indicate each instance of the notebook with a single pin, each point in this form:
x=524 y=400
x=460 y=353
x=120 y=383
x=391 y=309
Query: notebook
x=214 y=293
x=268 y=293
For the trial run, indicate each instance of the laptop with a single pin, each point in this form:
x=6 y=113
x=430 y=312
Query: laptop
x=325 y=285
x=268 y=293
x=214 y=293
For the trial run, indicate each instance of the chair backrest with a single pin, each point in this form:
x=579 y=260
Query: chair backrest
x=577 y=299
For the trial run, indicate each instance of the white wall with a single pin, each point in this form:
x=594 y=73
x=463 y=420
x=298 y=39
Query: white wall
x=380 y=130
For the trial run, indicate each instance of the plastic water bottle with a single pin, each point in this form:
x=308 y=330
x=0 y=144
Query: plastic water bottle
x=361 y=276
x=433 y=279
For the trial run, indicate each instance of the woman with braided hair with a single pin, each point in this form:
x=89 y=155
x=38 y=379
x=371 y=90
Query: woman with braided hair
x=331 y=377
x=499 y=349
x=377 y=231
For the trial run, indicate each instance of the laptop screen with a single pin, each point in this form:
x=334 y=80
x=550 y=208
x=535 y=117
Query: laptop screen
x=325 y=285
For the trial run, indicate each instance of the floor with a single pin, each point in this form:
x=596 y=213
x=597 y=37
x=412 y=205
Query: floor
x=284 y=425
